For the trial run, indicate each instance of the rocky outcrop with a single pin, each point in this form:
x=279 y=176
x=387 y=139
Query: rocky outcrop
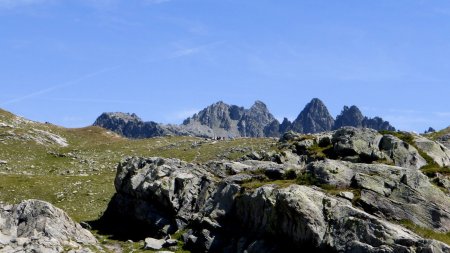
x=37 y=226
x=367 y=145
x=445 y=140
x=438 y=152
x=163 y=193
x=308 y=219
x=220 y=212
x=352 y=116
x=388 y=191
x=313 y=119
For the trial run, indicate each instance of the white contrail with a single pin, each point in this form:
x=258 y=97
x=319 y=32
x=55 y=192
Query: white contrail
x=177 y=54
x=66 y=84
x=193 y=50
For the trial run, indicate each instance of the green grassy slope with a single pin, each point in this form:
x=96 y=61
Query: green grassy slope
x=79 y=178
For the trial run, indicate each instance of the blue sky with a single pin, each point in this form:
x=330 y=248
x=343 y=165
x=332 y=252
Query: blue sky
x=67 y=61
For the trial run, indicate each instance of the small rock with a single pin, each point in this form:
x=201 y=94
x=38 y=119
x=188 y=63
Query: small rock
x=3 y=162
x=153 y=244
x=347 y=195
x=254 y=156
x=192 y=239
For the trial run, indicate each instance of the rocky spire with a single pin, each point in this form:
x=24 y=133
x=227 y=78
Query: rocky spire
x=314 y=118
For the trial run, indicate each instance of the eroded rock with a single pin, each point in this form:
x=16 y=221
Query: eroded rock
x=37 y=226
x=391 y=192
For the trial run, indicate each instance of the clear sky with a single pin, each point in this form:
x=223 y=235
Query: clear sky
x=67 y=61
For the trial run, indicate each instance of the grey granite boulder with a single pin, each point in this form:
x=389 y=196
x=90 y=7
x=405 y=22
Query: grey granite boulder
x=438 y=152
x=401 y=153
x=37 y=226
x=365 y=145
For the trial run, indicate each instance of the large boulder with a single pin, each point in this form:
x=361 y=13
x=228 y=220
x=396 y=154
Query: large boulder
x=401 y=153
x=365 y=145
x=163 y=193
x=438 y=152
x=357 y=144
x=37 y=226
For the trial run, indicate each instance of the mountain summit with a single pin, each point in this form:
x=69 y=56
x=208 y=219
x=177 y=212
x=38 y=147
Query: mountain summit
x=314 y=118
x=230 y=121
x=234 y=121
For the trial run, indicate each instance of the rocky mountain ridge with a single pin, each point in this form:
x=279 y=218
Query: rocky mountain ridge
x=230 y=121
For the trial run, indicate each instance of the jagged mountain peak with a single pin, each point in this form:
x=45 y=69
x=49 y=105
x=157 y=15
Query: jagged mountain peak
x=317 y=101
x=316 y=107
x=314 y=118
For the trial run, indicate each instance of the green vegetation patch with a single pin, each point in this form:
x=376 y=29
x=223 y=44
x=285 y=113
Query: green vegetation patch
x=258 y=183
x=425 y=232
x=82 y=197
x=317 y=152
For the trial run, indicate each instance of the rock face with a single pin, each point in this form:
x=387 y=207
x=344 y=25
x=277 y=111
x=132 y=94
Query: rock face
x=176 y=190
x=438 y=152
x=313 y=119
x=258 y=122
x=37 y=226
x=221 y=213
x=352 y=116
x=388 y=190
x=230 y=121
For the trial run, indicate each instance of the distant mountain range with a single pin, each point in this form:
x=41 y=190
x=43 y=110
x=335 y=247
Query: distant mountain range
x=230 y=121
